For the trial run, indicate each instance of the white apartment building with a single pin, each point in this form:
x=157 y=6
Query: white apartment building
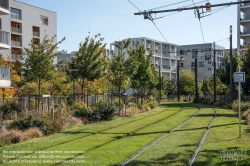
x=20 y=23
x=205 y=58
x=243 y=35
x=164 y=55
x=4 y=45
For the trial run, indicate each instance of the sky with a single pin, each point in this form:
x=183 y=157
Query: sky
x=115 y=20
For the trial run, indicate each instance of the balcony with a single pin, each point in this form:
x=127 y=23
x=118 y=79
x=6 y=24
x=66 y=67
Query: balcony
x=4 y=40
x=244 y=5
x=16 y=30
x=244 y=32
x=16 y=16
x=36 y=34
x=244 y=18
x=4 y=7
x=5 y=77
x=16 y=43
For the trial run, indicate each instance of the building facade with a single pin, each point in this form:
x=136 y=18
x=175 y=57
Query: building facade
x=164 y=55
x=205 y=54
x=21 y=23
x=4 y=45
x=243 y=29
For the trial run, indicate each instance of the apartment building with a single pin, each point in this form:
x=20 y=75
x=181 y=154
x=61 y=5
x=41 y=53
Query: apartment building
x=243 y=33
x=164 y=55
x=205 y=54
x=4 y=45
x=21 y=23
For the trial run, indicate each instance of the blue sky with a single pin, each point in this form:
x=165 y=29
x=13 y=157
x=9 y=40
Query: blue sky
x=115 y=20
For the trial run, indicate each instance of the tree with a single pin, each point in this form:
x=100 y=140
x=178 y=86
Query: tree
x=171 y=87
x=122 y=68
x=89 y=62
x=15 y=77
x=187 y=82
x=205 y=88
x=245 y=67
x=144 y=75
x=224 y=74
x=38 y=66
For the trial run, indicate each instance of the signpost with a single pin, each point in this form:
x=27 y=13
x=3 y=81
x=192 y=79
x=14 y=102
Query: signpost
x=239 y=77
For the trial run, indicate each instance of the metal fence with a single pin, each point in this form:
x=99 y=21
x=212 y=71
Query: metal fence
x=45 y=103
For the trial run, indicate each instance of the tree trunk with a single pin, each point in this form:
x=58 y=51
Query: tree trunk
x=83 y=95
x=39 y=93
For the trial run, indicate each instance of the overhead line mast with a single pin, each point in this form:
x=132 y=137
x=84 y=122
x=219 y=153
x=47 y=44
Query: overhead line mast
x=147 y=14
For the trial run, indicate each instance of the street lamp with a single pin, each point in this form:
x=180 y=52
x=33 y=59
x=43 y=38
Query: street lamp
x=73 y=72
x=159 y=66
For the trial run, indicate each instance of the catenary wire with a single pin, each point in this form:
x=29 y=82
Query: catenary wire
x=168 y=5
x=134 y=5
x=152 y=22
x=179 y=12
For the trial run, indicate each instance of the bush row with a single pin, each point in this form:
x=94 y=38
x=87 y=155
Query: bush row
x=104 y=110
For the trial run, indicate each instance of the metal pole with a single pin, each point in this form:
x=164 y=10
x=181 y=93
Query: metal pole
x=231 y=67
x=196 y=78
x=214 y=75
x=239 y=103
x=160 y=80
x=73 y=89
x=178 y=81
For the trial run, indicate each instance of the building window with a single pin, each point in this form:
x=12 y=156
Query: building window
x=201 y=64
x=194 y=53
x=133 y=43
x=192 y=64
x=137 y=42
x=16 y=13
x=44 y=20
x=209 y=62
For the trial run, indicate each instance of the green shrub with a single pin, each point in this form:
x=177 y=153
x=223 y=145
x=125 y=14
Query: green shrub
x=244 y=105
x=9 y=108
x=145 y=107
x=27 y=123
x=85 y=112
x=104 y=110
x=153 y=104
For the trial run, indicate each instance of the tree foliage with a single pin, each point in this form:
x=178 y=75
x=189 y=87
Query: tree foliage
x=245 y=67
x=224 y=74
x=187 y=82
x=122 y=68
x=38 y=66
x=144 y=76
x=88 y=61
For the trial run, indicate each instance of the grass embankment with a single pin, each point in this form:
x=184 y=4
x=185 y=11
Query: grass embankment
x=224 y=136
x=85 y=138
x=179 y=146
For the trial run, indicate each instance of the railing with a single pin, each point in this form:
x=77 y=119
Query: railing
x=17 y=57
x=16 y=30
x=244 y=4
x=16 y=16
x=4 y=73
x=36 y=34
x=243 y=17
x=242 y=46
x=243 y=31
x=45 y=22
x=4 y=4
x=16 y=43
x=4 y=37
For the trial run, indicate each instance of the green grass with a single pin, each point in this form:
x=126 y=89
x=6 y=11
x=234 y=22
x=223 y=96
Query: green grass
x=224 y=135
x=93 y=141
x=179 y=146
x=112 y=142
